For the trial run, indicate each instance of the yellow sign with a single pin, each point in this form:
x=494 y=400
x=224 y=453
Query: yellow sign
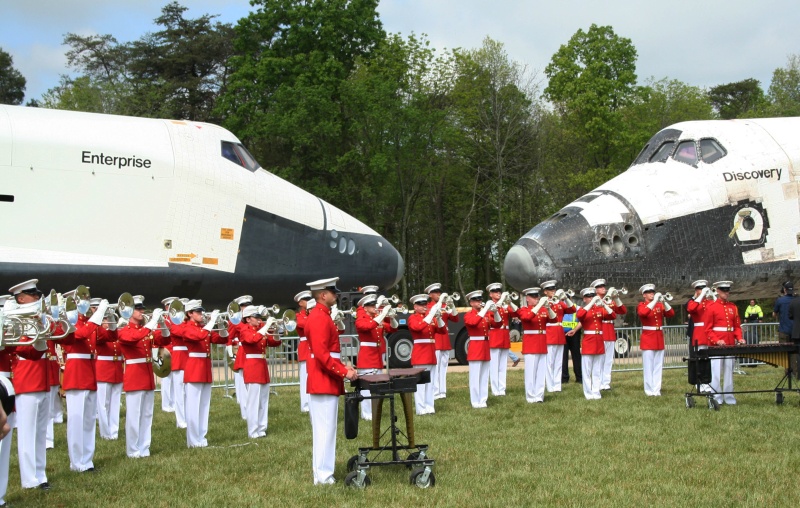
x=226 y=234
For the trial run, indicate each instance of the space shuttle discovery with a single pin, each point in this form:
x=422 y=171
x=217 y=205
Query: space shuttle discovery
x=166 y=208
x=714 y=200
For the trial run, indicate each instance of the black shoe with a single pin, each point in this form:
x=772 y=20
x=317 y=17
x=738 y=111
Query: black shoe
x=90 y=470
x=579 y=380
x=565 y=381
x=44 y=486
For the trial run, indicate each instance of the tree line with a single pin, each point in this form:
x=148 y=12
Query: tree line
x=451 y=155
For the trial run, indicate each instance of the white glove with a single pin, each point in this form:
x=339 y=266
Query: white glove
x=454 y=312
x=618 y=301
x=667 y=306
x=484 y=310
x=701 y=296
x=652 y=304
x=382 y=316
x=440 y=322
x=394 y=322
x=607 y=307
x=212 y=320
x=310 y=305
x=97 y=317
x=539 y=305
x=497 y=317
x=568 y=301
x=431 y=313
x=158 y=312
x=591 y=304
x=40 y=344
x=153 y=323
x=154 y=354
x=551 y=313
x=560 y=294
x=658 y=297
x=229 y=350
x=340 y=326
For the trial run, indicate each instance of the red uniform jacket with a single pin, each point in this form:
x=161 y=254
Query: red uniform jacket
x=722 y=323
x=253 y=352
x=54 y=365
x=137 y=343
x=198 y=359
x=499 y=337
x=79 y=353
x=303 y=351
x=326 y=372
x=555 y=332
x=31 y=372
x=424 y=350
x=535 y=330
x=478 y=329
x=109 y=363
x=179 y=349
x=593 y=329
x=609 y=334
x=234 y=339
x=7 y=357
x=697 y=311
x=652 y=322
x=372 y=343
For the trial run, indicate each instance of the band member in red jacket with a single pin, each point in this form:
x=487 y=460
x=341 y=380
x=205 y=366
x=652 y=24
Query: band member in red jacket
x=256 y=336
x=198 y=338
x=696 y=307
x=535 y=317
x=499 y=340
x=652 y=312
x=167 y=383
x=556 y=338
x=179 y=355
x=326 y=375
x=304 y=304
x=591 y=316
x=443 y=346
x=372 y=326
x=478 y=323
x=80 y=385
x=109 y=366
x=139 y=342
x=723 y=328
x=423 y=324
x=238 y=363
x=609 y=333
x=31 y=379
x=6 y=358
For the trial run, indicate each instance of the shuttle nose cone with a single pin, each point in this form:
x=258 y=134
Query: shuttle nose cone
x=527 y=264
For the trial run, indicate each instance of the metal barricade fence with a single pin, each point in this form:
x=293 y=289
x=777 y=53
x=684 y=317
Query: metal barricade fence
x=283 y=367
x=676 y=345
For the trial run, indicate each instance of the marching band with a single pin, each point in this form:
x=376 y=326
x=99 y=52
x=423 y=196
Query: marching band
x=105 y=349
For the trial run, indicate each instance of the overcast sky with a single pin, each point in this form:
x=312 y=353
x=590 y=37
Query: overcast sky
x=702 y=43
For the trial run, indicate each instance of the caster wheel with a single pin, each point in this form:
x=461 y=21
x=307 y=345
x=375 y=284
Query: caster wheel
x=417 y=478
x=779 y=398
x=353 y=462
x=351 y=480
x=412 y=456
x=713 y=404
x=689 y=402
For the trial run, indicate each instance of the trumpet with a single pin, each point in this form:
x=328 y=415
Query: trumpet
x=506 y=299
x=386 y=300
x=264 y=312
x=162 y=326
x=667 y=296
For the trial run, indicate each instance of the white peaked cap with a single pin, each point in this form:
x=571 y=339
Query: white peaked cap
x=532 y=291
x=548 y=284
x=699 y=283
x=367 y=300
x=494 y=286
x=433 y=287
x=168 y=300
x=193 y=305
x=244 y=299
x=138 y=300
x=23 y=286
x=423 y=299
x=369 y=290
x=250 y=310
x=302 y=295
x=598 y=282
x=723 y=284
x=475 y=294
x=324 y=284
x=647 y=287
x=588 y=292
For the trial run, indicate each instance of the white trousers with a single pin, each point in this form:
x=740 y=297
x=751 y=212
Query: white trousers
x=33 y=412
x=535 y=373
x=498 y=365
x=423 y=398
x=179 y=391
x=56 y=410
x=324 y=411
x=722 y=369
x=608 y=363
x=241 y=391
x=138 y=422
x=478 y=383
x=366 y=404
x=303 y=392
x=257 y=409
x=439 y=374
x=555 y=355
x=652 y=366
x=198 y=404
x=167 y=394
x=5 y=457
x=592 y=374
x=109 y=396
x=81 y=415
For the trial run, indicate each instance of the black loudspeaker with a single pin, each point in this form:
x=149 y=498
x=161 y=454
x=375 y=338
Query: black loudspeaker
x=351 y=410
x=699 y=371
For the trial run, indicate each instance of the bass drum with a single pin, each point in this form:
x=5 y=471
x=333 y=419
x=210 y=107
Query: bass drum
x=163 y=365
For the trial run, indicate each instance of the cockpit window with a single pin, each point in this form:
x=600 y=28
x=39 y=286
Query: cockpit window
x=686 y=153
x=663 y=152
x=711 y=151
x=238 y=154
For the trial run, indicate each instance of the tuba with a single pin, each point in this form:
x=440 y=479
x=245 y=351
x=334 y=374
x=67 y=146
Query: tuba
x=162 y=362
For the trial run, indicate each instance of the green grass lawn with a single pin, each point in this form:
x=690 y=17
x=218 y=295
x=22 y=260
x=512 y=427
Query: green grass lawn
x=623 y=450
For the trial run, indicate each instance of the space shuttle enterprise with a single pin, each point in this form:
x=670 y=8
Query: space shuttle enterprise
x=166 y=208
x=715 y=200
